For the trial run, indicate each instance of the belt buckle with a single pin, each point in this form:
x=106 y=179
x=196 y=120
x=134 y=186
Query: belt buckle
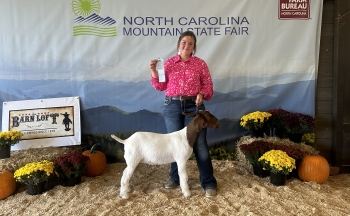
x=183 y=98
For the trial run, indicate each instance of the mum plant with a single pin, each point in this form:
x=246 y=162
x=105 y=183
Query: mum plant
x=298 y=123
x=254 y=120
x=308 y=139
x=291 y=151
x=276 y=118
x=71 y=164
x=254 y=150
x=277 y=161
x=35 y=172
x=9 y=138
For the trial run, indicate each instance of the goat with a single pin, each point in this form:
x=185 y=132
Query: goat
x=153 y=148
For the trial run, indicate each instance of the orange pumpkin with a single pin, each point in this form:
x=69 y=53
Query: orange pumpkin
x=97 y=162
x=314 y=168
x=7 y=184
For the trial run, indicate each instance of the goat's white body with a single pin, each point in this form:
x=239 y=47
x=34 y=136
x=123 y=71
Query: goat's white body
x=153 y=148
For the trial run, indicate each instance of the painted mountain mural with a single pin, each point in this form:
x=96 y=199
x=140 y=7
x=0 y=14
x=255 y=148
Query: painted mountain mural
x=109 y=107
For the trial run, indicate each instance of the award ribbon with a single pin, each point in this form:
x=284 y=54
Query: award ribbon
x=160 y=69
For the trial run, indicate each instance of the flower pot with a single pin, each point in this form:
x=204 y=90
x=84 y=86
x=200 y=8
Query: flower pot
x=5 y=152
x=72 y=181
x=35 y=189
x=277 y=132
x=293 y=174
x=272 y=132
x=257 y=133
x=259 y=171
x=295 y=137
x=278 y=179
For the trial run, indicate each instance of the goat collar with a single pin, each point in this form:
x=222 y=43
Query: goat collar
x=192 y=114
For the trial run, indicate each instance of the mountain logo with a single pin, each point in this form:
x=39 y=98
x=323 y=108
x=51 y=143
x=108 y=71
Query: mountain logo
x=88 y=22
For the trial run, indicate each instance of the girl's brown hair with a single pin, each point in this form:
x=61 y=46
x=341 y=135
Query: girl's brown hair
x=191 y=34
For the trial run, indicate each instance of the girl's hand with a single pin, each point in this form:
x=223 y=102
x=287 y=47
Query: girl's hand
x=199 y=99
x=152 y=66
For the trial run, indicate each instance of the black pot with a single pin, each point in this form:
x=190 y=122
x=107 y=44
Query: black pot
x=278 y=179
x=35 y=189
x=257 y=133
x=5 y=152
x=259 y=171
x=277 y=132
x=295 y=137
x=293 y=174
x=72 y=181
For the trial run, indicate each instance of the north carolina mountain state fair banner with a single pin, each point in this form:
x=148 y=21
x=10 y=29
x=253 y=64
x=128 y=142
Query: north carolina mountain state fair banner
x=262 y=54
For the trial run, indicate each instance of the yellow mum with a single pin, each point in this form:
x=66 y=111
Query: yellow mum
x=277 y=161
x=35 y=172
x=10 y=137
x=254 y=120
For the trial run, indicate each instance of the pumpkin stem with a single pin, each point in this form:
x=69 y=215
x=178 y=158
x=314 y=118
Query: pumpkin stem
x=92 y=150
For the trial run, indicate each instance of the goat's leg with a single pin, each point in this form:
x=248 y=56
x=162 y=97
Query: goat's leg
x=181 y=166
x=124 y=182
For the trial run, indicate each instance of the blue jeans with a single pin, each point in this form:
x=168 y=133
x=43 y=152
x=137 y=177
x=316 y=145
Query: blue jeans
x=174 y=121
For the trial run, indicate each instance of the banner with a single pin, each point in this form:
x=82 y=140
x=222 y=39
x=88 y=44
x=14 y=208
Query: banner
x=262 y=54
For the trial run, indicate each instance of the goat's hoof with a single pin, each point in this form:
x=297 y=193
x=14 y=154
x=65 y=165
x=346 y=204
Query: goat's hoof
x=124 y=196
x=187 y=194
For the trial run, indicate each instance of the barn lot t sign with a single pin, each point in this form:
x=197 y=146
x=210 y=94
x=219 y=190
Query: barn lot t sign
x=44 y=122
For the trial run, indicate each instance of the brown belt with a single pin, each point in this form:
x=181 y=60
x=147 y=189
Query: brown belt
x=182 y=98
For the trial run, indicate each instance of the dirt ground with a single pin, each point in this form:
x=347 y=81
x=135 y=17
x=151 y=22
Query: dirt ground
x=239 y=193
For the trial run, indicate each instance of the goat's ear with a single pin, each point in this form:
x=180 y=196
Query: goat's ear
x=198 y=123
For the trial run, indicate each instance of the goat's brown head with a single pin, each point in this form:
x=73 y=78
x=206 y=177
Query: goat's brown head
x=204 y=119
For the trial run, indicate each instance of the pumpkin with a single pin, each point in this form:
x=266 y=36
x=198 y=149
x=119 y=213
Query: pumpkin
x=314 y=168
x=97 y=162
x=7 y=184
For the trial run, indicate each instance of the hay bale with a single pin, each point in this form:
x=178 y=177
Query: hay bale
x=21 y=157
x=306 y=149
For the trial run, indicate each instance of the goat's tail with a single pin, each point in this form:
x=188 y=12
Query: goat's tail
x=117 y=138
